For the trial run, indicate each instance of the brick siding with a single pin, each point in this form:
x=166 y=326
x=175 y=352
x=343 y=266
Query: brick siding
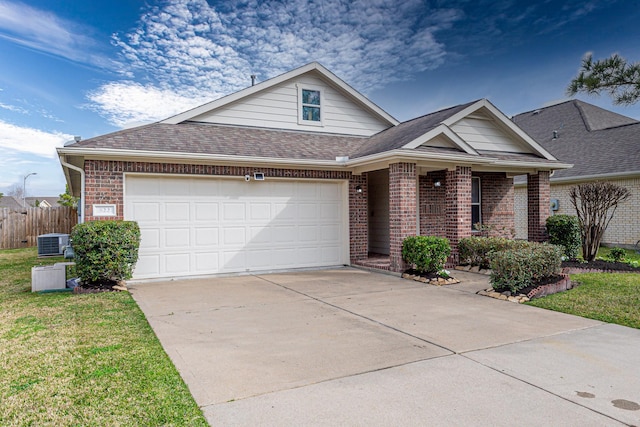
x=624 y=228
x=358 y=219
x=432 y=204
x=402 y=210
x=458 y=208
x=496 y=203
x=538 y=205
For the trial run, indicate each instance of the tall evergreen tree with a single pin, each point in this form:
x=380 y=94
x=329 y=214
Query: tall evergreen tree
x=613 y=75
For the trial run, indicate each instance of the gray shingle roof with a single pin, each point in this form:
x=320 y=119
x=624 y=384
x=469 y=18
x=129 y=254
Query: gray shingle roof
x=200 y=138
x=10 y=202
x=397 y=136
x=594 y=140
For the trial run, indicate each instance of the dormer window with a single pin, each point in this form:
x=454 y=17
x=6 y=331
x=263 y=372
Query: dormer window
x=310 y=102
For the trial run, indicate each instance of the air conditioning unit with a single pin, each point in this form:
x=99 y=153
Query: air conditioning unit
x=52 y=244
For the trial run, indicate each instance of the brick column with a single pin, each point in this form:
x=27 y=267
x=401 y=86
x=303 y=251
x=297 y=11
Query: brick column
x=457 y=209
x=358 y=225
x=539 y=205
x=402 y=210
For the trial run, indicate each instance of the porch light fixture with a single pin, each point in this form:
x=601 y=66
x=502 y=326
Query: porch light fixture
x=437 y=183
x=358 y=189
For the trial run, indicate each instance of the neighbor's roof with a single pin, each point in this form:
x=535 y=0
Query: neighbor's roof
x=10 y=202
x=595 y=140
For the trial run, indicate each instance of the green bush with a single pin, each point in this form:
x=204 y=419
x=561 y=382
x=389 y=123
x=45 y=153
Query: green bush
x=427 y=254
x=564 y=230
x=617 y=254
x=477 y=250
x=515 y=269
x=105 y=250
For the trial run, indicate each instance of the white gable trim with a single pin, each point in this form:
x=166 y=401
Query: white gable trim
x=442 y=130
x=313 y=66
x=504 y=120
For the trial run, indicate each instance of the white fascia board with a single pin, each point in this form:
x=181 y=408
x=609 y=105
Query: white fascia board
x=336 y=81
x=200 y=158
x=442 y=130
x=500 y=116
x=617 y=175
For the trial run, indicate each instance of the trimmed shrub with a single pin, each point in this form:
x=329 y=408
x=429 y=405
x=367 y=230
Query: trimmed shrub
x=427 y=254
x=617 y=254
x=564 y=230
x=515 y=269
x=105 y=250
x=477 y=250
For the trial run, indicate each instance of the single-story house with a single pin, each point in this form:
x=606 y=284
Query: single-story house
x=602 y=146
x=304 y=171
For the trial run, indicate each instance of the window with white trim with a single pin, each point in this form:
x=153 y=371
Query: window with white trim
x=476 y=211
x=310 y=105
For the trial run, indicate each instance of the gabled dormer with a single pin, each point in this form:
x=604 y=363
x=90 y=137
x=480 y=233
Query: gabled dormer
x=309 y=98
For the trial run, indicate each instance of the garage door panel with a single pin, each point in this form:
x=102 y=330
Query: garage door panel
x=233 y=236
x=259 y=211
x=177 y=238
x=233 y=211
x=260 y=235
x=308 y=233
x=205 y=236
x=206 y=212
x=207 y=262
x=176 y=211
x=193 y=226
x=177 y=263
x=148 y=266
x=149 y=238
x=234 y=261
x=146 y=212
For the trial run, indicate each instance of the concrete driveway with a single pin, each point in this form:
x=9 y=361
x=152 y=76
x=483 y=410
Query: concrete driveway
x=350 y=347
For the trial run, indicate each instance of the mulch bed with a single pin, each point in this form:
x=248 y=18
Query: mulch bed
x=598 y=265
x=96 y=287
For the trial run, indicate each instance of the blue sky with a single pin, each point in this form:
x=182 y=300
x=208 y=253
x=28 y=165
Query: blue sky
x=86 y=68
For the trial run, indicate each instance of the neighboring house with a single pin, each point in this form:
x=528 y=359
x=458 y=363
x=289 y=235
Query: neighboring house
x=303 y=171
x=43 y=202
x=11 y=203
x=602 y=146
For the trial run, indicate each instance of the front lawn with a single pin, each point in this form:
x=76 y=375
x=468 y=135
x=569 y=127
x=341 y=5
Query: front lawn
x=609 y=297
x=88 y=359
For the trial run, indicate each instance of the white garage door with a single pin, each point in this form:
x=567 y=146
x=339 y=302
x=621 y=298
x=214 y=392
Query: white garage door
x=199 y=226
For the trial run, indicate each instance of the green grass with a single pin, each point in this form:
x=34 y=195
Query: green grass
x=92 y=359
x=609 y=297
x=631 y=255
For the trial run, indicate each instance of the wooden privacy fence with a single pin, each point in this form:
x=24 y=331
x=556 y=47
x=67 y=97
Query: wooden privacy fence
x=20 y=229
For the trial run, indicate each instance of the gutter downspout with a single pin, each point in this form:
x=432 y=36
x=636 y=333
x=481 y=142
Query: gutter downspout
x=82 y=184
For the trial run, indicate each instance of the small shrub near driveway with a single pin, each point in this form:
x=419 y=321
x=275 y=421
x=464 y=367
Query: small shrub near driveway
x=564 y=230
x=617 y=254
x=516 y=269
x=428 y=254
x=105 y=250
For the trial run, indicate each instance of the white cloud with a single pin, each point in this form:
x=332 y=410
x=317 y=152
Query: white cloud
x=13 y=108
x=129 y=102
x=187 y=50
x=46 y=32
x=28 y=140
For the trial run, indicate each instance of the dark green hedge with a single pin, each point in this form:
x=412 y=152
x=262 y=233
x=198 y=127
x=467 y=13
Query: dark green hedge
x=564 y=230
x=515 y=269
x=478 y=250
x=428 y=254
x=105 y=250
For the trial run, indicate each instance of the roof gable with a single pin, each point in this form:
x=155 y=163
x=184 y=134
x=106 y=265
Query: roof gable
x=275 y=103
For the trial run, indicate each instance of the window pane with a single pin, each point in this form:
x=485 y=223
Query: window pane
x=475 y=190
x=311 y=113
x=311 y=97
x=475 y=215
